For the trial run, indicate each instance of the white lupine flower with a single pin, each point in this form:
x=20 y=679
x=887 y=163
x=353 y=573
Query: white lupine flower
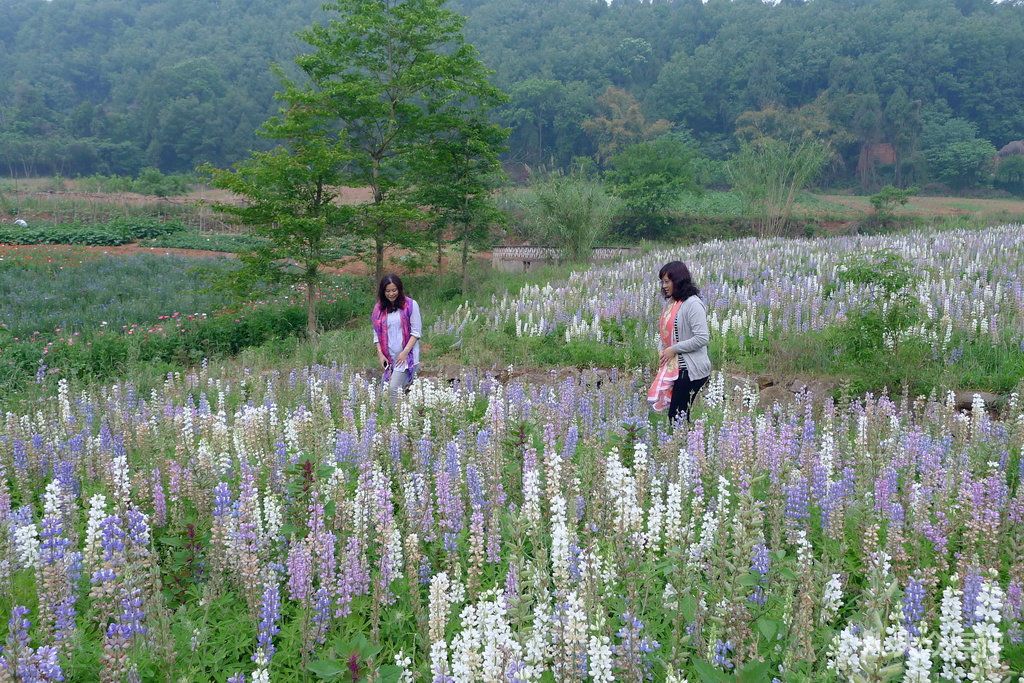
x=26 y=545
x=440 y=596
x=986 y=648
x=674 y=515
x=404 y=662
x=918 y=666
x=53 y=499
x=272 y=518
x=952 y=650
x=122 y=483
x=599 y=653
x=652 y=541
x=531 y=498
x=832 y=598
x=856 y=653
x=622 y=485
x=97 y=513
x=559 y=543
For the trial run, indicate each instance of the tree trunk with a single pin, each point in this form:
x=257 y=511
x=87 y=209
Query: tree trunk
x=440 y=250
x=378 y=243
x=465 y=260
x=311 y=320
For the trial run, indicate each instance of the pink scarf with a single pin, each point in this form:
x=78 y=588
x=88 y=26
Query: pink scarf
x=379 y=318
x=660 y=393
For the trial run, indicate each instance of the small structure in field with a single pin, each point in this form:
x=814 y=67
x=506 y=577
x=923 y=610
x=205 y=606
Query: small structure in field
x=524 y=258
x=1015 y=148
x=21 y=223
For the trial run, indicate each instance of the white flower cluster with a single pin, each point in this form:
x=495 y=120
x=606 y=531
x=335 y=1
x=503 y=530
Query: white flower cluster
x=831 y=599
x=485 y=647
x=952 y=650
x=622 y=485
x=987 y=648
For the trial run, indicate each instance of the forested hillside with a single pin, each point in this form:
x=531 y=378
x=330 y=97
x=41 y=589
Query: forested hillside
x=915 y=90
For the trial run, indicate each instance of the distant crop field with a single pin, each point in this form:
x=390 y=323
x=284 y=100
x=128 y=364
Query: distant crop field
x=74 y=291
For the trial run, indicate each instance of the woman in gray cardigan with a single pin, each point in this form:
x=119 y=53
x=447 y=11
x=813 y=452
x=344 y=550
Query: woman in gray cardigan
x=690 y=338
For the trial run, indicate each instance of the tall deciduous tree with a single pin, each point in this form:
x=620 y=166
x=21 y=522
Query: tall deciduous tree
x=457 y=176
x=621 y=123
x=290 y=193
x=384 y=71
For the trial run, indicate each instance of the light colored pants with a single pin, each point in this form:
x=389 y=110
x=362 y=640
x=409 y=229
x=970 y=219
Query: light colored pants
x=398 y=381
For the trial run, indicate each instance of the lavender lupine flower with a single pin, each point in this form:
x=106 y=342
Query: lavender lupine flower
x=321 y=615
x=22 y=663
x=972 y=587
x=720 y=658
x=913 y=606
x=270 y=613
x=159 y=501
x=633 y=650
x=797 y=501
x=761 y=560
x=300 y=571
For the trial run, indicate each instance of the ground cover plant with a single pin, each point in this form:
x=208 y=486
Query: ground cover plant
x=111 y=233
x=293 y=525
x=207 y=242
x=793 y=306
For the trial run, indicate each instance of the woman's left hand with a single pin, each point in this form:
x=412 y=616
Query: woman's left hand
x=401 y=357
x=666 y=355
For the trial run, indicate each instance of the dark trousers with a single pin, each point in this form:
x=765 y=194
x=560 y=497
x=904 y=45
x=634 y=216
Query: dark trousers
x=684 y=390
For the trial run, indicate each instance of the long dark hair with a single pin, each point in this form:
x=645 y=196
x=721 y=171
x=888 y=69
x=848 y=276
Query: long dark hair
x=682 y=284
x=386 y=305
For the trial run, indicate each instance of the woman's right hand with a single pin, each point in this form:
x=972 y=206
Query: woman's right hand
x=382 y=359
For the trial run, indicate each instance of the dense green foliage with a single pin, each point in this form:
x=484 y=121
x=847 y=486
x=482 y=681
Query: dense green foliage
x=101 y=87
x=111 y=233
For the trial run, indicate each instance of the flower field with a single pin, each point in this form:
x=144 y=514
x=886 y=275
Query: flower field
x=295 y=527
x=968 y=282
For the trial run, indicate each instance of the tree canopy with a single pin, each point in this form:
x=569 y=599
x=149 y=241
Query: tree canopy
x=102 y=86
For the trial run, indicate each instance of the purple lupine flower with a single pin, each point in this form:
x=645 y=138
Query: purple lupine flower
x=132 y=614
x=138 y=528
x=65 y=615
x=221 y=499
x=476 y=494
x=300 y=571
x=972 y=587
x=512 y=584
x=913 y=606
x=52 y=544
x=632 y=652
x=761 y=560
x=21 y=661
x=321 y=614
x=721 y=654
x=1014 y=599
x=159 y=501
x=270 y=612
x=797 y=501
x=112 y=539
x=424 y=573
x=574 y=562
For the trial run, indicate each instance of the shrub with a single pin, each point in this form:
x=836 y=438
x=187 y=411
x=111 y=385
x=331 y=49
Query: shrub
x=569 y=212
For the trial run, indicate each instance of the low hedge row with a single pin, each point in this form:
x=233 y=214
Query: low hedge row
x=112 y=233
x=107 y=355
x=191 y=240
